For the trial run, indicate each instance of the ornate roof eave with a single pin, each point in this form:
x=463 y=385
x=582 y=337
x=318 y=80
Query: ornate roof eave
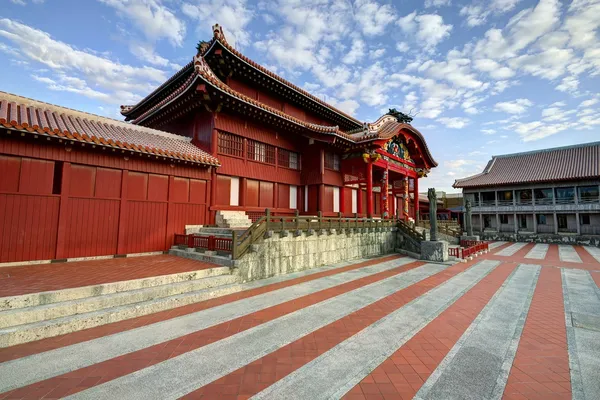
x=128 y=110
x=203 y=73
x=219 y=37
x=371 y=134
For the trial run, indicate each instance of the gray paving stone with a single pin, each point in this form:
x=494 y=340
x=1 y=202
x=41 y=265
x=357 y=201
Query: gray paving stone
x=52 y=363
x=477 y=367
x=334 y=373
x=582 y=304
x=183 y=374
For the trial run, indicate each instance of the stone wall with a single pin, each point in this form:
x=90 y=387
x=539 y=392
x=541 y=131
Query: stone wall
x=282 y=254
x=543 y=238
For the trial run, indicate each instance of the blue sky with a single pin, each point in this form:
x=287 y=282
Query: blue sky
x=482 y=77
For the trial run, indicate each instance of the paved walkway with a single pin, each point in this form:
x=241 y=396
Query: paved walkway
x=40 y=278
x=521 y=322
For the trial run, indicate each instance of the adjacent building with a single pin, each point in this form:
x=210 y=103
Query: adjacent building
x=222 y=134
x=553 y=191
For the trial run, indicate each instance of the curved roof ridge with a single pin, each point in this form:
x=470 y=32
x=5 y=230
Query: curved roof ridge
x=548 y=150
x=558 y=164
x=128 y=109
x=219 y=36
x=39 y=118
x=26 y=101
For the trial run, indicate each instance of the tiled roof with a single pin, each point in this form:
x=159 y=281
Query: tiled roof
x=385 y=127
x=555 y=164
x=40 y=118
x=218 y=36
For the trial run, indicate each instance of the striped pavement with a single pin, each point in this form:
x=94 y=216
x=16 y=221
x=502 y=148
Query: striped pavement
x=522 y=321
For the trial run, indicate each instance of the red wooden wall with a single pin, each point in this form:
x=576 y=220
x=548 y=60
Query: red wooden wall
x=54 y=209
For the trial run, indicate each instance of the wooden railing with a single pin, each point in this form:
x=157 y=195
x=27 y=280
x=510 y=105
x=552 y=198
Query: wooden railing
x=411 y=231
x=239 y=244
x=209 y=243
x=447 y=227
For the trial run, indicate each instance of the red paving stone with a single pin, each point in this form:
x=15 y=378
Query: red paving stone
x=22 y=350
x=264 y=372
x=84 y=378
x=40 y=278
x=523 y=252
x=596 y=278
x=404 y=372
x=500 y=248
x=552 y=255
x=541 y=366
x=552 y=258
x=586 y=257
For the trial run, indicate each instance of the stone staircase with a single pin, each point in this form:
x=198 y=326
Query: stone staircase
x=232 y=219
x=36 y=316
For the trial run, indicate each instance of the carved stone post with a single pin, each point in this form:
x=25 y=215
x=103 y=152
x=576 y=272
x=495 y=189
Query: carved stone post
x=432 y=214
x=468 y=218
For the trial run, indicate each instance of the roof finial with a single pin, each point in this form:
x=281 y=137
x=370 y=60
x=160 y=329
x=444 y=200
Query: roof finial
x=218 y=32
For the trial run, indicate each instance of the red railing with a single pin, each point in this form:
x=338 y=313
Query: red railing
x=210 y=243
x=454 y=252
x=475 y=247
x=180 y=240
x=470 y=243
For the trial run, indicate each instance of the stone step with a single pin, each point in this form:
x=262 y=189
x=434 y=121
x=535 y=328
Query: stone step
x=56 y=296
x=19 y=334
x=202 y=256
x=21 y=316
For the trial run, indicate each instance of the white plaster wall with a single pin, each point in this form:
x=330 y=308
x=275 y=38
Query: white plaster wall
x=234 y=193
x=293 y=196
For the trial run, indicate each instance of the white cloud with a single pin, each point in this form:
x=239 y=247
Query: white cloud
x=454 y=123
x=488 y=131
x=152 y=17
x=24 y=2
x=518 y=106
x=402 y=47
x=455 y=70
x=494 y=69
x=123 y=82
x=373 y=18
x=551 y=114
x=232 y=15
x=357 y=51
x=377 y=53
x=437 y=3
x=348 y=106
x=479 y=12
x=458 y=163
x=147 y=54
x=588 y=103
x=477 y=153
x=537 y=130
x=568 y=84
x=428 y=29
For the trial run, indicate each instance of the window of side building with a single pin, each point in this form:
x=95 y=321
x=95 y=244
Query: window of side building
x=543 y=196
x=565 y=195
x=332 y=161
x=585 y=219
x=588 y=194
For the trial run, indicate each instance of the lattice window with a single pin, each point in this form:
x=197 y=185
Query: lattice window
x=288 y=159
x=262 y=152
x=230 y=144
x=332 y=161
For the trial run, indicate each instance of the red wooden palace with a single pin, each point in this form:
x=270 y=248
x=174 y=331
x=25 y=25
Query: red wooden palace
x=223 y=133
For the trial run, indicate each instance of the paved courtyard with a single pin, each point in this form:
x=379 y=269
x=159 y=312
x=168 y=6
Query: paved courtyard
x=522 y=322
